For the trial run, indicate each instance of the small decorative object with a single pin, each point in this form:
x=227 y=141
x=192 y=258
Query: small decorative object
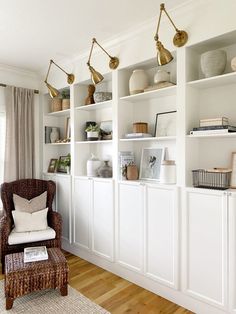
x=64 y=164
x=125 y=158
x=105 y=171
x=87 y=124
x=52 y=165
x=89 y=100
x=168 y=172
x=92 y=132
x=132 y=172
x=54 y=136
x=213 y=62
x=214 y=122
x=102 y=96
x=150 y=165
x=161 y=76
x=233 y=64
x=233 y=175
x=106 y=130
x=138 y=135
x=93 y=163
x=56 y=104
x=138 y=82
x=165 y=124
x=65 y=99
x=216 y=178
x=140 y=127
x=68 y=130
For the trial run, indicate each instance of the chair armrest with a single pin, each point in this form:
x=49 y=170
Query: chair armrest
x=5 y=230
x=55 y=222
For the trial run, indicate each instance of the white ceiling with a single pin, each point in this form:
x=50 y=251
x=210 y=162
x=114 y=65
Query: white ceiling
x=34 y=31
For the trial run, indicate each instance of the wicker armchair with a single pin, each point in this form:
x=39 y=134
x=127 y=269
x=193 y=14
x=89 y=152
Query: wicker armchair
x=27 y=188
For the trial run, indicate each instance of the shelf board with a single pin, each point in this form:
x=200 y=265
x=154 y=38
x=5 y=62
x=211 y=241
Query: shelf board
x=167 y=91
x=227 y=135
x=93 y=178
x=97 y=106
x=220 y=80
x=94 y=142
x=59 y=113
x=144 y=139
x=58 y=144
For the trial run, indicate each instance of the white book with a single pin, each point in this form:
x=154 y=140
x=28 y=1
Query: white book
x=138 y=135
x=205 y=132
x=37 y=253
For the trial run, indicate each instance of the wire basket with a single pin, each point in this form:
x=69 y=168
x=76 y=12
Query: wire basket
x=216 y=178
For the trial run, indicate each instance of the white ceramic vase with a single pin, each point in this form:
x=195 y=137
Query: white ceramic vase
x=161 y=76
x=54 y=135
x=92 y=135
x=138 y=82
x=233 y=64
x=213 y=62
x=93 y=163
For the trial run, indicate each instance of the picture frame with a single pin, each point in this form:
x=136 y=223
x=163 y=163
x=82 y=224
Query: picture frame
x=52 y=165
x=233 y=174
x=165 y=124
x=150 y=165
x=68 y=128
x=61 y=167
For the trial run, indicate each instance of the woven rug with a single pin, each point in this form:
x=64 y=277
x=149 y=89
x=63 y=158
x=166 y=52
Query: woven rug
x=50 y=301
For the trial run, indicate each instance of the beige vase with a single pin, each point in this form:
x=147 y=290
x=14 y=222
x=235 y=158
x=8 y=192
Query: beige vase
x=65 y=103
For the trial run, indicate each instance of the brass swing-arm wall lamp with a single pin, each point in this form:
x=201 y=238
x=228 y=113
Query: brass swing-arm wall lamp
x=179 y=40
x=52 y=90
x=95 y=75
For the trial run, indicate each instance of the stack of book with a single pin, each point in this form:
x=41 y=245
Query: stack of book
x=213 y=126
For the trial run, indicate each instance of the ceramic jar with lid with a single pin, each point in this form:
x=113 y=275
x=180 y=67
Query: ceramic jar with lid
x=168 y=172
x=138 y=82
x=161 y=76
x=93 y=163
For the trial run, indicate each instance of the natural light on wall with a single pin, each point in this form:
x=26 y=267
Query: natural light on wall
x=2 y=135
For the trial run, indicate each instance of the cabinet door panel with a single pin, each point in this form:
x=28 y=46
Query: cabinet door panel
x=103 y=229
x=206 y=239
x=131 y=226
x=161 y=234
x=232 y=251
x=63 y=203
x=82 y=207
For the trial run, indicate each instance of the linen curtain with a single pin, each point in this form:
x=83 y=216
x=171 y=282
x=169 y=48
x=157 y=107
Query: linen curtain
x=19 y=144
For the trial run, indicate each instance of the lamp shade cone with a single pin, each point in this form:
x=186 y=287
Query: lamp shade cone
x=163 y=55
x=53 y=92
x=95 y=76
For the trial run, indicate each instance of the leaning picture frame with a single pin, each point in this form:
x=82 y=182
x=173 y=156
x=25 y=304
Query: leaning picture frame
x=233 y=174
x=165 y=124
x=150 y=165
x=52 y=165
x=61 y=166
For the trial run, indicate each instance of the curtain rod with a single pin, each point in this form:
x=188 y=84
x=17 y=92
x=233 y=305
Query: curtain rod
x=4 y=85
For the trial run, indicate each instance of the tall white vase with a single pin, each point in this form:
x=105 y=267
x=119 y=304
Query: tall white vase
x=213 y=62
x=138 y=82
x=54 y=135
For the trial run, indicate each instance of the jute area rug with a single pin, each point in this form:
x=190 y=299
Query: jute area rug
x=50 y=301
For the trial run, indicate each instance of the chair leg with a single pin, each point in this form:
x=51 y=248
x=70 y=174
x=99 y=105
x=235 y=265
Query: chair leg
x=64 y=291
x=9 y=303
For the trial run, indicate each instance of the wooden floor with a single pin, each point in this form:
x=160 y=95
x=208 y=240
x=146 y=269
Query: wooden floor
x=113 y=293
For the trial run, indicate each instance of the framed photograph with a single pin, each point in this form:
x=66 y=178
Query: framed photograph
x=165 y=124
x=233 y=174
x=68 y=128
x=61 y=166
x=150 y=165
x=52 y=165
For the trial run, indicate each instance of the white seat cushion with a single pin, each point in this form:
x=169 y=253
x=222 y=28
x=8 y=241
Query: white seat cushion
x=31 y=236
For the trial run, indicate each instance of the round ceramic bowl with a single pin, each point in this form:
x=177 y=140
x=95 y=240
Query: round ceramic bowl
x=102 y=96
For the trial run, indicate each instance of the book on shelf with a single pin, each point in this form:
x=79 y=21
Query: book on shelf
x=223 y=130
x=214 y=122
x=230 y=128
x=34 y=254
x=138 y=135
x=125 y=158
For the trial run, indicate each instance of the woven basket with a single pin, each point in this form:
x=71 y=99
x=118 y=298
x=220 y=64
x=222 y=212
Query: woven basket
x=56 y=104
x=65 y=104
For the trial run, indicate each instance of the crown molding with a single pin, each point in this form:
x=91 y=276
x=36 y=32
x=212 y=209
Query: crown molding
x=17 y=70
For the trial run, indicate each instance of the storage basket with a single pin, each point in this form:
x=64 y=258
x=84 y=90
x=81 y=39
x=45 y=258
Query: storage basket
x=56 y=104
x=216 y=178
x=140 y=127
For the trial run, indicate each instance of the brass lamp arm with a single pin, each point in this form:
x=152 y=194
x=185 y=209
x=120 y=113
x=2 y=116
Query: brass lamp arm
x=177 y=30
x=158 y=26
x=95 y=41
x=90 y=53
x=49 y=67
x=51 y=61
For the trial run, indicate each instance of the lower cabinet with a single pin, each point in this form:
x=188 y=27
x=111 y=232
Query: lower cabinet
x=94 y=215
x=205 y=245
x=232 y=251
x=148 y=230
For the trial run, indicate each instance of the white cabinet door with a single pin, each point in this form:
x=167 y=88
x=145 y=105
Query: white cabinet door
x=232 y=251
x=51 y=177
x=103 y=218
x=206 y=245
x=130 y=226
x=161 y=233
x=63 y=195
x=82 y=212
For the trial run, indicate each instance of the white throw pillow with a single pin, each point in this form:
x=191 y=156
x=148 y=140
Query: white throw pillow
x=30 y=206
x=30 y=222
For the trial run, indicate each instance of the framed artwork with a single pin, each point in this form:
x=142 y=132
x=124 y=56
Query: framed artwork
x=61 y=164
x=68 y=128
x=165 y=124
x=150 y=165
x=233 y=174
x=52 y=165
